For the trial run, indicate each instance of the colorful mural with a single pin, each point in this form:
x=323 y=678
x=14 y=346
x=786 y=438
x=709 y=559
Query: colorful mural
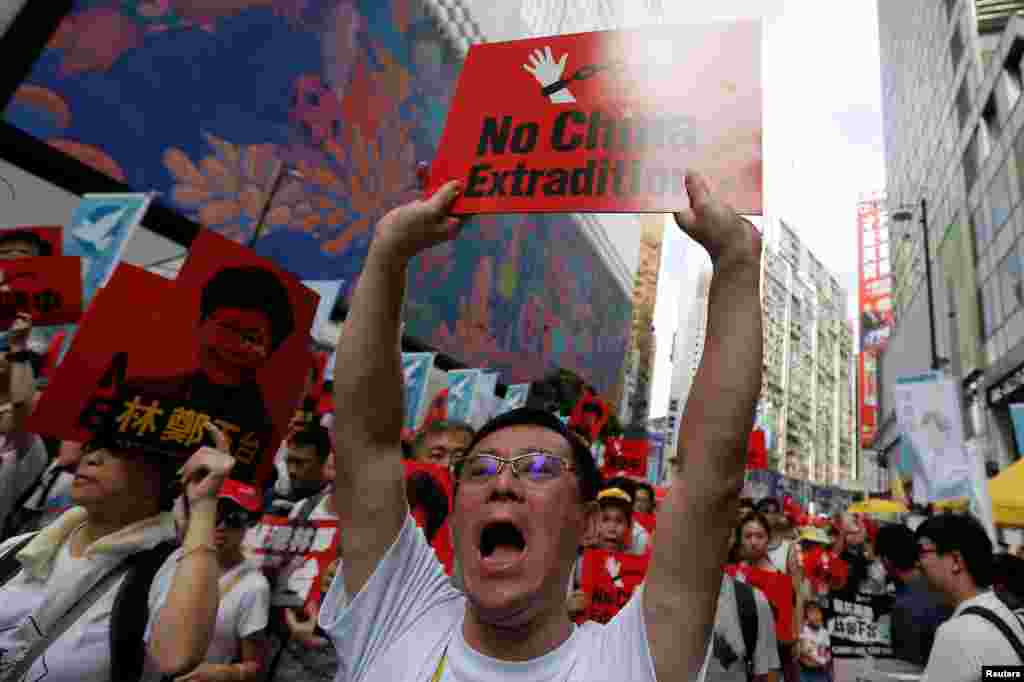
x=315 y=112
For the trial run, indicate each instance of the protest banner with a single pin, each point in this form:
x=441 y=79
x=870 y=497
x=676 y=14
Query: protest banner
x=421 y=380
x=608 y=580
x=216 y=345
x=626 y=457
x=861 y=633
x=23 y=241
x=299 y=557
x=589 y=415
x=607 y=121
x=778 y=588
x=47 y=288
x=461 y=389
x=328 y=291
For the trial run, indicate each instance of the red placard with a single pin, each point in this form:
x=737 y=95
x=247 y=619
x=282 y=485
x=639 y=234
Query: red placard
x=757 y=452
x=48 y=288
x=589 y=415
x=778 y=588
x=51 y=236
x=825 y=570
x=648 y=521
x=626 y=457
x=608 y=581
x=441 y=541
x=200 y=349
x=607 y=121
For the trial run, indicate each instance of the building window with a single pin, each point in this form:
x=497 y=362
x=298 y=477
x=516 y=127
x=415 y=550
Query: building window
x=956 y=48
x=999 y=198
x=963 y=104
x=970 y=161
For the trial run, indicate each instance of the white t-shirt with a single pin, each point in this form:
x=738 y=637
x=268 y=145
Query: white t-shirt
x=728 y=661
x=398 y=627
x=82 y=653
x=964 y=643
x=243 y=612
x=18 y=474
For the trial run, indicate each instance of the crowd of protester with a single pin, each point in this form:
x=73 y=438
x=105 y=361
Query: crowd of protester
x=122 y=564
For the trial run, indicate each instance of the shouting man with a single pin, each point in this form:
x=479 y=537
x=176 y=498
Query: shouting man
x=525 y=495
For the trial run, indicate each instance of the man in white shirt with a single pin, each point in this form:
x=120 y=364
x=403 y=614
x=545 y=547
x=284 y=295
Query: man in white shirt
x=956 y=558
x=525 y=496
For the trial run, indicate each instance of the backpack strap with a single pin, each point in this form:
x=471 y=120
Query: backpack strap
x=9 y=564
x=746 y=605
x=991 y=617
x=130 y=614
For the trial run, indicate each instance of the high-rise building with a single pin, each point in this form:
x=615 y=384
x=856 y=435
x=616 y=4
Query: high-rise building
x=640 y=356
x=806 y=404
x=954 y=154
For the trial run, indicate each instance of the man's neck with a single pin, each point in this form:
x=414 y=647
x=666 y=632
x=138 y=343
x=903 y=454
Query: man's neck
x=516 y=643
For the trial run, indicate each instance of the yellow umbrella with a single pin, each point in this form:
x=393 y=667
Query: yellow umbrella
x=878 y=506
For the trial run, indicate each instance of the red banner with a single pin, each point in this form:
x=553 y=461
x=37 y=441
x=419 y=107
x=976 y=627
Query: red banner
x=47 y=288
x=648 y=521
x=589 y=415
x=442 y=540
x=608 y=581
x=626 y=457
x=607 y=121
x=778 y=588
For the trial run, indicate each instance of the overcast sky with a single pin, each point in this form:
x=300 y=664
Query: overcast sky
x=822 y=141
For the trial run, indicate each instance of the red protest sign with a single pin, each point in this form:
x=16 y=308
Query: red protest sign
x=49 y=289
x=222 y=344
x=607 y=121
x=778 y=588
x=589 y=415
x=626 y=457
x=608 y=581
x=648 y=521
x=757 y=452
x=45 y=240
x=300 y=555
x=429 y=488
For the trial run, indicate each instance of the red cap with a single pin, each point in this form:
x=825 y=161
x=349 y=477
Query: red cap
x=244 y=495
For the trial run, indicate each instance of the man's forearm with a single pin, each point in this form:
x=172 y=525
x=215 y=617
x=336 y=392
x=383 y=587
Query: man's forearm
x=368 y=375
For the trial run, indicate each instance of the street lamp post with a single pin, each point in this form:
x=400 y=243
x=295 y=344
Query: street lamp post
x=903 y=216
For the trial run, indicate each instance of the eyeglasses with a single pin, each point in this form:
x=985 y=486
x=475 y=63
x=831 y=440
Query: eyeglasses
x=535 y=466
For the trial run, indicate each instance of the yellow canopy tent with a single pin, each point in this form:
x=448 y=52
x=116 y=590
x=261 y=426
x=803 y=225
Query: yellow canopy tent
x=1007 y=493
x=878 y=506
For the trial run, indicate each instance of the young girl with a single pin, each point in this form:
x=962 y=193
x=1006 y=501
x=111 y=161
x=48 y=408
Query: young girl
x=815 y=646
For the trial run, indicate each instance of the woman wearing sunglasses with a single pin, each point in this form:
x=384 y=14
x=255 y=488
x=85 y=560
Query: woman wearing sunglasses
x=238 y=647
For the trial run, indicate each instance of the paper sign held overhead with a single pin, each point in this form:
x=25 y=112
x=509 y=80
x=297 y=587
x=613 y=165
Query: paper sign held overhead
x=607 y=121
x=49 y=289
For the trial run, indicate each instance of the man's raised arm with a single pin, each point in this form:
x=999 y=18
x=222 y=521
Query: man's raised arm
x=682 y=586
x=369 y=490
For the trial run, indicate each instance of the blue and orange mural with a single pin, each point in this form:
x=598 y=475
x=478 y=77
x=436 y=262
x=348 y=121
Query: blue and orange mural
x=327 y=105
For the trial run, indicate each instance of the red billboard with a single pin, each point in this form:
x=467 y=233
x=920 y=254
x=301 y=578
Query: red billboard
x=874 y=294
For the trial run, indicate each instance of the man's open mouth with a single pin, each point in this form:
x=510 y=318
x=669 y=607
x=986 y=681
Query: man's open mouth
x=501 y=542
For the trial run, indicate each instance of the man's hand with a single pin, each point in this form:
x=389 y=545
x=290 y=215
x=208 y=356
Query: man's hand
x=19 y=332
x=727 y=236
x=302 y=625
x=547 y=71
x=206 y=470
x=415 y=227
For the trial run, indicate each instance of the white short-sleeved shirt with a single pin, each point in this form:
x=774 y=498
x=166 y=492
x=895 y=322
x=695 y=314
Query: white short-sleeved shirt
x=964 y=643
x=399 y=625
x=243 y=612
x=18 y=474
x=728 y=661
x=82 y=653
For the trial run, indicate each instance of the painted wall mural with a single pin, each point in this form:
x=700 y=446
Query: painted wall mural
x=216 y=103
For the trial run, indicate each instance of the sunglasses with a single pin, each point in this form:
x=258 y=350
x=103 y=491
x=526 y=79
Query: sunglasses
x=534 y=466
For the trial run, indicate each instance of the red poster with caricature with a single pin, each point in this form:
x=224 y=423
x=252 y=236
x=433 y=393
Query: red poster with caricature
x=47 y=288
x=778 y=588
x=30 y=240
x=626 y=457
x=609 y=580
x=155 y=360
x=607 y=121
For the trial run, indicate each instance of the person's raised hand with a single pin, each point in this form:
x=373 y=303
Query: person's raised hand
x=418 y=225
x=302 y=625
x=206 y=470
x=728 y=237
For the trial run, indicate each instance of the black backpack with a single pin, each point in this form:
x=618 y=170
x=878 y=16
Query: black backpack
x=746 y=605
x=130 y=614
